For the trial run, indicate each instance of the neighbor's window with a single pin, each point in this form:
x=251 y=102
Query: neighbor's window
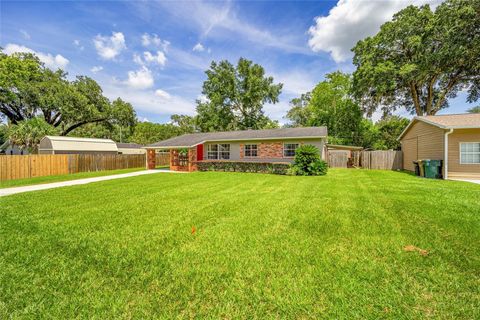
x=289 y=149
x=251 y=150
x=470 y=153
x=218 y=151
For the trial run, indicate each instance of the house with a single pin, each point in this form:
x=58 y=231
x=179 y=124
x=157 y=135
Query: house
x=130 y=148
x=271 y=145
x=455 y=139
x=74 y=145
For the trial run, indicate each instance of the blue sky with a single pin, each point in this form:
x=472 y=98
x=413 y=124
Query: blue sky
x=154 y=54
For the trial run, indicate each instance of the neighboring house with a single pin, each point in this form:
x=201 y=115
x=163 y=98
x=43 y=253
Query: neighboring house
x=130 y=148
x=272 y=145
x=74 y=145
x=455 y=139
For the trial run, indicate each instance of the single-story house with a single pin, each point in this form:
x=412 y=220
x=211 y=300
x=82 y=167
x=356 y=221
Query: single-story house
x=130 y=148
x=271 y=145
x=74 y=145
x=454 y=138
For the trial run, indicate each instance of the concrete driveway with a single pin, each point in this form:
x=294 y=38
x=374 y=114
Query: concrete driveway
x=45 y=186
x=468 y=180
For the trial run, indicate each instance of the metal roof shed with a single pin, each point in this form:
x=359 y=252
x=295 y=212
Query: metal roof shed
x=74 y=145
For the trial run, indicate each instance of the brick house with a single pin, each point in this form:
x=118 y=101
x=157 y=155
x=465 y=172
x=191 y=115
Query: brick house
x=453 y=138
x=271 y=145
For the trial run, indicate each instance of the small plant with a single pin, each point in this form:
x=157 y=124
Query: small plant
x=307 y=162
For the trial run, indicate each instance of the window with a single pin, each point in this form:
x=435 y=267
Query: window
x=470 y=152
x=251 y=150
x=218 y=151
x=289 y=149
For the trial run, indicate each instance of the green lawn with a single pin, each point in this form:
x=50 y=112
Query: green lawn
x=64 y=177
x=265 y=246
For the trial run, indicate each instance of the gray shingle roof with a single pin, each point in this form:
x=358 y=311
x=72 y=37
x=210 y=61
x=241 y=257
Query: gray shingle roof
x=129 y=145
x=189 y=140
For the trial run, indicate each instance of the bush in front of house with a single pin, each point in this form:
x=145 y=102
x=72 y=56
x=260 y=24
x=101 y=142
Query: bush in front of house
x=238 y=166
x=307 y=162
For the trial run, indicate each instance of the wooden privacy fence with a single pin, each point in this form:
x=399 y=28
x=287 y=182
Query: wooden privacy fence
x=29 y=166
x=380 y=160
x=162 y=159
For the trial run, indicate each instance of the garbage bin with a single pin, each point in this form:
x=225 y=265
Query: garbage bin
x=417 y=168
x=433 y=169
x=421 y=168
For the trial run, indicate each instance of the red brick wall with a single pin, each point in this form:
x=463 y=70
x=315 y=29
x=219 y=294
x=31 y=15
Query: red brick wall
x=270 y=150
x=151 y=159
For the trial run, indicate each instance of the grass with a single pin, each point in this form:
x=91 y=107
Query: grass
x=63 y=177
x=264 y=246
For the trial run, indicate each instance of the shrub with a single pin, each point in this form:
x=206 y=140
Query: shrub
x=234 y=166
x=307 y=162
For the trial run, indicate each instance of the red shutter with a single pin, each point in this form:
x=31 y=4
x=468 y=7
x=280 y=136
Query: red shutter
x=199 y=152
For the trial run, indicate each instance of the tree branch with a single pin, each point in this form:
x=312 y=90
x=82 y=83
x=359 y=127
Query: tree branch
x=453 y=81
x=430 y=94
x=79 y=124
x=416 y=101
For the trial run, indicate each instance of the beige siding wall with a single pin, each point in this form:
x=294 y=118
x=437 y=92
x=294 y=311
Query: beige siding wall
x=454 y=140
x=422 y=141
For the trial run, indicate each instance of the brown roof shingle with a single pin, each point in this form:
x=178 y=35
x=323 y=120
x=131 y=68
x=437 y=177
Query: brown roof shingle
x=454 y=120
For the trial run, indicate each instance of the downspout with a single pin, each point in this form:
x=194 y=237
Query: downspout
x=445 y=156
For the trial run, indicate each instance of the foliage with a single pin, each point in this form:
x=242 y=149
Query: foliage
x=307 y=162
x=29 y=89
x=241 y=166
x=235 y=97
x=474 y=110
x=126 y=246
x=148 y=132
x=389 y=129
x=27 y=134
x=420 y=59
x=3 y=133
x=330 y=104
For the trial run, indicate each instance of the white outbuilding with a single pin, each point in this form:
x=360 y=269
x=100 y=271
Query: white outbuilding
x=74 y=145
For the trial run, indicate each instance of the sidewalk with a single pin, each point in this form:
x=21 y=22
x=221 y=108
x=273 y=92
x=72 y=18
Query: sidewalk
x=37 y=187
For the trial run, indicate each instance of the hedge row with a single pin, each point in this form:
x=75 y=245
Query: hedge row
x=260 y=167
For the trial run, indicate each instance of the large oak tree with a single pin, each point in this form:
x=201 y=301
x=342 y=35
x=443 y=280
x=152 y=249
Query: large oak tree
x=420 y=59
x=28 y=90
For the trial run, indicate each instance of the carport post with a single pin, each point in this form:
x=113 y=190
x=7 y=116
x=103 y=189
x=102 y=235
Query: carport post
x=150 y=159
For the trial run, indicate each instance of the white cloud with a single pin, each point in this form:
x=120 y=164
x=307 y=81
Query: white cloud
x=109 y=47
x=198 y=47
x=96 y=69
x=154 y=40
x=159 y=58
x=149 y=101
x=149 y=58
x=162 y=94
x=140 y=79
x=25 y=34
x=78 y=44
x=352 y=20
x=52 y=62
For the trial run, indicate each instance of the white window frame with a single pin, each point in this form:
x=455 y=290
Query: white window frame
x=251 y=150
x=468 y=153
x=285 y=149
x=222 y=151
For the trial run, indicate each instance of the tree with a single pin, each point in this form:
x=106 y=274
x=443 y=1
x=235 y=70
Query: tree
x=27 y=133
x=148 y=132
x=420 y=59
x=235 y=97
x=185 y=124
x=389 y=129
x=29 y=89
x=330 y=104
x=474 y=110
